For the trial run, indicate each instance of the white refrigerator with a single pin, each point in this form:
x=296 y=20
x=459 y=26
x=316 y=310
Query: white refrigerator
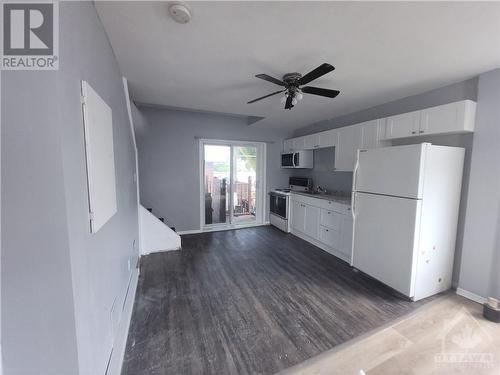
x=405 y=205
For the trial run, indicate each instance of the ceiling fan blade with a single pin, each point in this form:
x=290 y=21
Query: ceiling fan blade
x=321 y=92
x=316 y=73
x=288 y=104
x=265 y=96
x=276 y=81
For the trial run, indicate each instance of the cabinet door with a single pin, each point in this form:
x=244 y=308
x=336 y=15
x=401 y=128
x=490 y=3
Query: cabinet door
x=369 y=134
x=441 y=119
x=404 y=125
x=329 y=237
x=331 y=219
x=298 y=143
x=311 y=227
x=328 y=138
x=298 y=216
x=349 y=141
x=288 y=145
x=311 y=141
x=345 y=246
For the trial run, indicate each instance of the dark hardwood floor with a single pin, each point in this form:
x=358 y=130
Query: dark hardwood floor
x=248 y=301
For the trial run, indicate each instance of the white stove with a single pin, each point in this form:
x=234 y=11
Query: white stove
x=279 y=202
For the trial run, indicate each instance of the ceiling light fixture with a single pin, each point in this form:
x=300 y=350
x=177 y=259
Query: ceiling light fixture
x=179 y=12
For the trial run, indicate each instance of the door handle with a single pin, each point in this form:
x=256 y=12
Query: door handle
x=355 y=173
x=353 y=204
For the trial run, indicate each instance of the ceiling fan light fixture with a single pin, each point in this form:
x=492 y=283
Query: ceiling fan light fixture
x=291 y=85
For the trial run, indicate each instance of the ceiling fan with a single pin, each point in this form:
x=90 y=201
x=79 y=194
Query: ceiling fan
x=292 y=82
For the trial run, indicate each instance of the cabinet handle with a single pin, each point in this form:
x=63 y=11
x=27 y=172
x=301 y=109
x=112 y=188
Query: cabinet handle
x=413 y=132
x=326 y=230
x=421 y=131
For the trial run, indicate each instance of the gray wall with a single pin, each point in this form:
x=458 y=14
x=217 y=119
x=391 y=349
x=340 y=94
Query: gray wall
x=448 y=94
x=169 y=159
x=38 y=327
x=480 y=266
x=59 y=282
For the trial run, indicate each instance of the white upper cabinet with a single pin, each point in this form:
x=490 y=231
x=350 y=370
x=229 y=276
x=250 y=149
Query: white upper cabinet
x=328 y=138
x=311 y=141
x=448 y=118
x=298 y=143
x=288 y=145
x=401 y=126
x=455 y=117
x=372 y=134
x=349 y=142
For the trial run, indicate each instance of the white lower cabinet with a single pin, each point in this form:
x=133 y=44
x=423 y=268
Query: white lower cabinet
x=345 y=246
x=312 y=221
x=329 y=237
x=298 y=216
x=326 y=224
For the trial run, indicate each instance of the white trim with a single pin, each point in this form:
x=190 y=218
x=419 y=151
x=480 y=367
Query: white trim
x=134 y=143
x=222 y=228
x=472 y=296
x=120 y=339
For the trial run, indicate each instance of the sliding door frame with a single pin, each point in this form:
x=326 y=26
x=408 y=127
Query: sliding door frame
x=260 y=183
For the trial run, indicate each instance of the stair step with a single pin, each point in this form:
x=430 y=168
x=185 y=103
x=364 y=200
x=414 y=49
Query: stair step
x=162 y=219
x=149 y=209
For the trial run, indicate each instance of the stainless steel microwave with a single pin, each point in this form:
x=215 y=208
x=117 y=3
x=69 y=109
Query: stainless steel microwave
x=297 y=159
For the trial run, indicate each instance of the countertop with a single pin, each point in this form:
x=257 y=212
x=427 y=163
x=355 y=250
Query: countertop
x=326 y=197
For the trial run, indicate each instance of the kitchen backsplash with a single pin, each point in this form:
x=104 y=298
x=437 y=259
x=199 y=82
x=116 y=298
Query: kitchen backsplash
x=323 y=173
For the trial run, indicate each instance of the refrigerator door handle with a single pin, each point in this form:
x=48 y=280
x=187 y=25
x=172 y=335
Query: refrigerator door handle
x=353 y=204
x=355 y=173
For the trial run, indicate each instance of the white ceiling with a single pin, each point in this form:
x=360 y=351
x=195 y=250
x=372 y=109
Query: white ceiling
x=381 y=52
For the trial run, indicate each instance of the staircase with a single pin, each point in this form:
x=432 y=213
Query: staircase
x=155 y=235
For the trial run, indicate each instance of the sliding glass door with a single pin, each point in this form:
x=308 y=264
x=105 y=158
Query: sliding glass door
x=231 y=176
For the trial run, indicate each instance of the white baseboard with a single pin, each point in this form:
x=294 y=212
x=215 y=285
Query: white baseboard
x=220 y=229
x=472 y=296
x=120 y=340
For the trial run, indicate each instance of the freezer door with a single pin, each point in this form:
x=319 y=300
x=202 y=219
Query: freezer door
x=384 y=240
x=391 y=170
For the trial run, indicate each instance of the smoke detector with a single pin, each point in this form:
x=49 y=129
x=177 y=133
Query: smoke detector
x=179 y=12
